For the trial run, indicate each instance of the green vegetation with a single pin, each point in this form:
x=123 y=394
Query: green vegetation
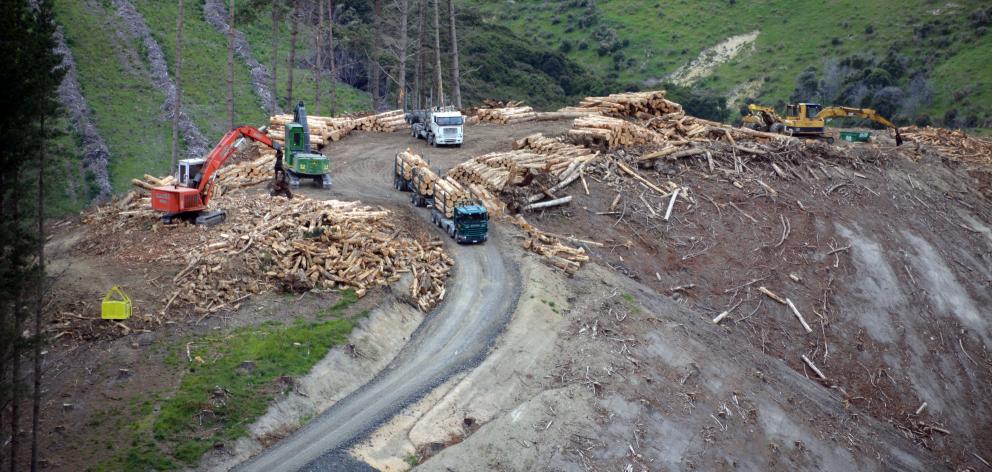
x=204 y=80
x=258 y=31
x=127 y=108
x=115 y=80
x=230 y=383
x=632 y=42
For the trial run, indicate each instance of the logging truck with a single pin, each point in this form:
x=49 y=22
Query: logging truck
x=453 y=209
x=439 y=126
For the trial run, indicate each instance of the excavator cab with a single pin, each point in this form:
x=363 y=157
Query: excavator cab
x=301 y=161
x=189 y=172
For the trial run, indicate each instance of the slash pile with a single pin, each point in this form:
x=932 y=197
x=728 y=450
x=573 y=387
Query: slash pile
x=302 y=244
x=955 y=144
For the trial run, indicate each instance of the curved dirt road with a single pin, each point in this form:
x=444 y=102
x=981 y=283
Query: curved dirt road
x=481 y=295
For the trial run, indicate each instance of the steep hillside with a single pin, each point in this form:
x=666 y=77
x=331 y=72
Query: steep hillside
x=943 y=46
x=127 y=109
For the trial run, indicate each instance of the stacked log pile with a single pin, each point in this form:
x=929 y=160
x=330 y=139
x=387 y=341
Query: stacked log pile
x=248 y=173
x=633 y=104
x=447 y=193
x=424 y=179
x=506 y=116
x=385 y=122
x=608 y=132
x=955 y=144
x=407 y=161
x=493 y=103
x=547 y=164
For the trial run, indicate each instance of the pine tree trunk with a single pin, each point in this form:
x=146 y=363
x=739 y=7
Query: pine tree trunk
x=39 y=303
x=15 y=360
x=419 y=69
x=230 y=68
x=456 y=82
x=293 y=32
x=275 y=55
x=439 y=100
x=401 y=77
x=179 y=88
x=318 y=64
x=374 y=73
x=330 y=52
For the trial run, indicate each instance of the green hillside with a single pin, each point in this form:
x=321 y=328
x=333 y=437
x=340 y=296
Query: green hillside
x=916 y=61
x=127 y=108
x=638 y=40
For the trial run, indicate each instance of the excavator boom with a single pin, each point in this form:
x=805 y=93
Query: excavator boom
x=867 y=113
x=193 y=197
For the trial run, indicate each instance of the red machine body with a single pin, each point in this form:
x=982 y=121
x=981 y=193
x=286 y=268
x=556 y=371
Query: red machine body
x=175 y=199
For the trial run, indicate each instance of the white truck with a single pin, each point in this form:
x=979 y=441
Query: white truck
x=439 y=126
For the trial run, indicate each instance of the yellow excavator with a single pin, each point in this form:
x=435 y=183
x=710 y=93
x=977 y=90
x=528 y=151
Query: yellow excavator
x=808 y=119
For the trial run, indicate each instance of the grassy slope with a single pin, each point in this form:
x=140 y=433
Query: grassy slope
x=259 y=34
x=204 y=67
x=127 y=107
x=118 y=88
x=170 y=431
x=794 y=35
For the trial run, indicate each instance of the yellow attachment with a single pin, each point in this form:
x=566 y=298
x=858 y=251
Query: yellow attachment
x=116 y=305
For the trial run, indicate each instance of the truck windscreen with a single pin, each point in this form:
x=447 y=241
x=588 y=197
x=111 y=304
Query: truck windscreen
x=449 y=120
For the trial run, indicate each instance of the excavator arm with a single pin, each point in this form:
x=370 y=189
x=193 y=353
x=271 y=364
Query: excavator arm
x=223 y=151
x=867 y=113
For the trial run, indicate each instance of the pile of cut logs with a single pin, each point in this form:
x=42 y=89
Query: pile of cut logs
x=302 y=244
x=385 y=122
x=506 y=116
x=292 y=245
x=556 y=254
x=323 y=129
x=955 y=144
x=407 y=161
x=493 y=103
x=492 y=175
x=633 y=104
x=607 y=132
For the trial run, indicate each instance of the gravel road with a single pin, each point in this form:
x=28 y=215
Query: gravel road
x=481 y=296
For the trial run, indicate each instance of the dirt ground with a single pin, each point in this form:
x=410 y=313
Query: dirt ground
x=889 y=260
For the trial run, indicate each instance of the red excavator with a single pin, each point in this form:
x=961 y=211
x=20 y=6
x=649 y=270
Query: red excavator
x=188 y=199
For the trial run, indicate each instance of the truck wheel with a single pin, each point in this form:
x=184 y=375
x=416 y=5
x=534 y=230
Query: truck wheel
x=431 y=141
x=451 y=232
x=413 y=132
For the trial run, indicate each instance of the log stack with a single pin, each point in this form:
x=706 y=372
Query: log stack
x=506 y=116
x=323 y=129
x=607 y=132
x=631 y=104
x=424 y=179
x=385 y=122
x=447 y=193
x=407 y=161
